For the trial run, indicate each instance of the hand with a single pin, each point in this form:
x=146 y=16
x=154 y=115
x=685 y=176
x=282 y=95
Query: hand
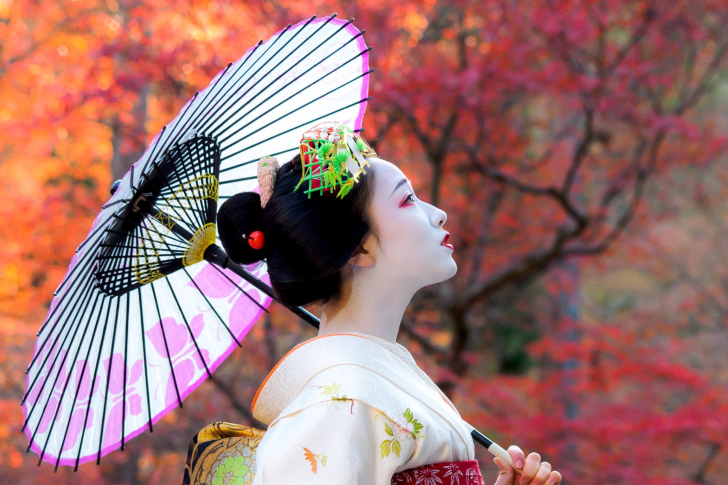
x=534 y=472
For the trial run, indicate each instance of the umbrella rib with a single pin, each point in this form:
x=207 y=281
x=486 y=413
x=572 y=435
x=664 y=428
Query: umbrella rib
x=42 y=346
x=189 y=162
x=93 y=381
x=65 y=386
x=82 y=264
x=294 y=128
x=108 y=382
x=199 y=124
x=126 y=346
x=144 y=352
x=154 y=153
x=174 y=167
x=253 y=161
x=306 y=72
x=177 y=155
x=293 y=111
x=86 y=241
x=126 y=355
x=154 y=241
x=195 y=115
x=169 y=202
x=297 y=93
x=238 y=287
x=243 y=179
x=50 y=394
x=280 y=62
x=166 y=346
x=124 y=246
x=199 y=352
x=290 y=82
x=212 y=307
x=112 y=204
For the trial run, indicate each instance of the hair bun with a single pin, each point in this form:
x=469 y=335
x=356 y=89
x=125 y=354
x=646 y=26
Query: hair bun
x=241 y=214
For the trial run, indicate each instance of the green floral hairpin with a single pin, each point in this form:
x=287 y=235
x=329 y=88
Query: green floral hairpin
x=333 y=158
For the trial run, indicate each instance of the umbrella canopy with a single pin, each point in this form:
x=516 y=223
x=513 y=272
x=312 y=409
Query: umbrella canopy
x=150 y=306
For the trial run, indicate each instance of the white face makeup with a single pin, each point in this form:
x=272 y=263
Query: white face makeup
x=410 y=230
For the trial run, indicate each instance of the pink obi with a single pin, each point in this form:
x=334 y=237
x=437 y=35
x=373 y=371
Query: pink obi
x=445 y=473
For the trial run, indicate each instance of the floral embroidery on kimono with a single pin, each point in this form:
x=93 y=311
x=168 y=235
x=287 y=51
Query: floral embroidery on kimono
x=407 y=429
x=313 y=458
x=333 y=391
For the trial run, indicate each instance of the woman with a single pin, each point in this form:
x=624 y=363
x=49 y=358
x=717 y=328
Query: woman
x=351 y=405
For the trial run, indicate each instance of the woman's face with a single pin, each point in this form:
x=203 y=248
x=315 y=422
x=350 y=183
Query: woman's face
x=410 y=230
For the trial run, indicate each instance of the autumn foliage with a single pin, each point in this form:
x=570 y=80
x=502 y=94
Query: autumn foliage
x=578 y=148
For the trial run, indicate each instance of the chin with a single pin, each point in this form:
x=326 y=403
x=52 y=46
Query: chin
x=446 y=271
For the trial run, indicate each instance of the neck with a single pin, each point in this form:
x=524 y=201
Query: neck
x=373 y=303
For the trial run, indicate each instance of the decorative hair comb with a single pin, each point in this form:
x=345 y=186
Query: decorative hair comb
x=332 y=159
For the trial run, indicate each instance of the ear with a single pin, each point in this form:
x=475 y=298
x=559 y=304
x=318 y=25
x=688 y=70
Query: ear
x=364 y=253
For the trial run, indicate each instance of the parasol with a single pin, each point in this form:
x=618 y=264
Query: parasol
x=149 y=306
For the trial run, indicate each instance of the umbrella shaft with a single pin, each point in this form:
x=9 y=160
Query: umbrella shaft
x=214 y=254
x=217 y=255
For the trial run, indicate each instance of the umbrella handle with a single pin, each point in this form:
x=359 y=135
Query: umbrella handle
x=494 y=448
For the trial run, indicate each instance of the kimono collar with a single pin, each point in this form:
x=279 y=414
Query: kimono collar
x=308 y=358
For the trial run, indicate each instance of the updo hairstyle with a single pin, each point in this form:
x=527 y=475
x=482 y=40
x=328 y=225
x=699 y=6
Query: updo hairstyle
x=306 y=241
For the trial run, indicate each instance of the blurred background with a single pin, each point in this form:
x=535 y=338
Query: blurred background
x=578 y=147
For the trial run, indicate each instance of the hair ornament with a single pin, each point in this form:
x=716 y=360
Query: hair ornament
x=267 y=171
x=333 y=158
x=256 y=239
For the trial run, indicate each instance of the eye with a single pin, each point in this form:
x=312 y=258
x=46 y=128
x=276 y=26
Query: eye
x=410 y=198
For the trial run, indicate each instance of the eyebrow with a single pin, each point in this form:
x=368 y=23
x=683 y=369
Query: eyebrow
x=399 y=184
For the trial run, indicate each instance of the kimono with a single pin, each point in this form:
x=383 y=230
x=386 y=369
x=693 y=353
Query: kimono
x=352 y=408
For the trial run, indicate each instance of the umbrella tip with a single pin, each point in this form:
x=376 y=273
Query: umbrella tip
x=115 y=186
x=312 y=17
x=22 y=402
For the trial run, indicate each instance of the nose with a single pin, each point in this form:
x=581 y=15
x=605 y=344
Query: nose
x=438 y=217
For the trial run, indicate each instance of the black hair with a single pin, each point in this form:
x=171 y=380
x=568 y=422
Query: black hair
x=306 y=241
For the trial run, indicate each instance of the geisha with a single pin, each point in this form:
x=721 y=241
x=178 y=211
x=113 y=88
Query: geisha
x=342 y=228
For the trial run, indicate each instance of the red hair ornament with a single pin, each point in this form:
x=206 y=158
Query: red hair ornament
x=256 y=239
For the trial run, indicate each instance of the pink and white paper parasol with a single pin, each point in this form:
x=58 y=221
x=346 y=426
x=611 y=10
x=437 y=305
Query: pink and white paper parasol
x=150 y=306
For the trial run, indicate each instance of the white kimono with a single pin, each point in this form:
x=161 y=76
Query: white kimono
x=352 y=408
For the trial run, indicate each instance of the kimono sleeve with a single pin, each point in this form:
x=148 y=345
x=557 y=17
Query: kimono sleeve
x=337 y=442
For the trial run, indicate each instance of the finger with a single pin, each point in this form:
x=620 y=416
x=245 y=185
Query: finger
x=542 y=474
x=533 y=461
x=506 y=473
x=517 y=456
x=554 y=478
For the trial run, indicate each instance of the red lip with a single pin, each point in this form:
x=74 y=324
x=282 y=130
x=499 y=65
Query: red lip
x=444 y=241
